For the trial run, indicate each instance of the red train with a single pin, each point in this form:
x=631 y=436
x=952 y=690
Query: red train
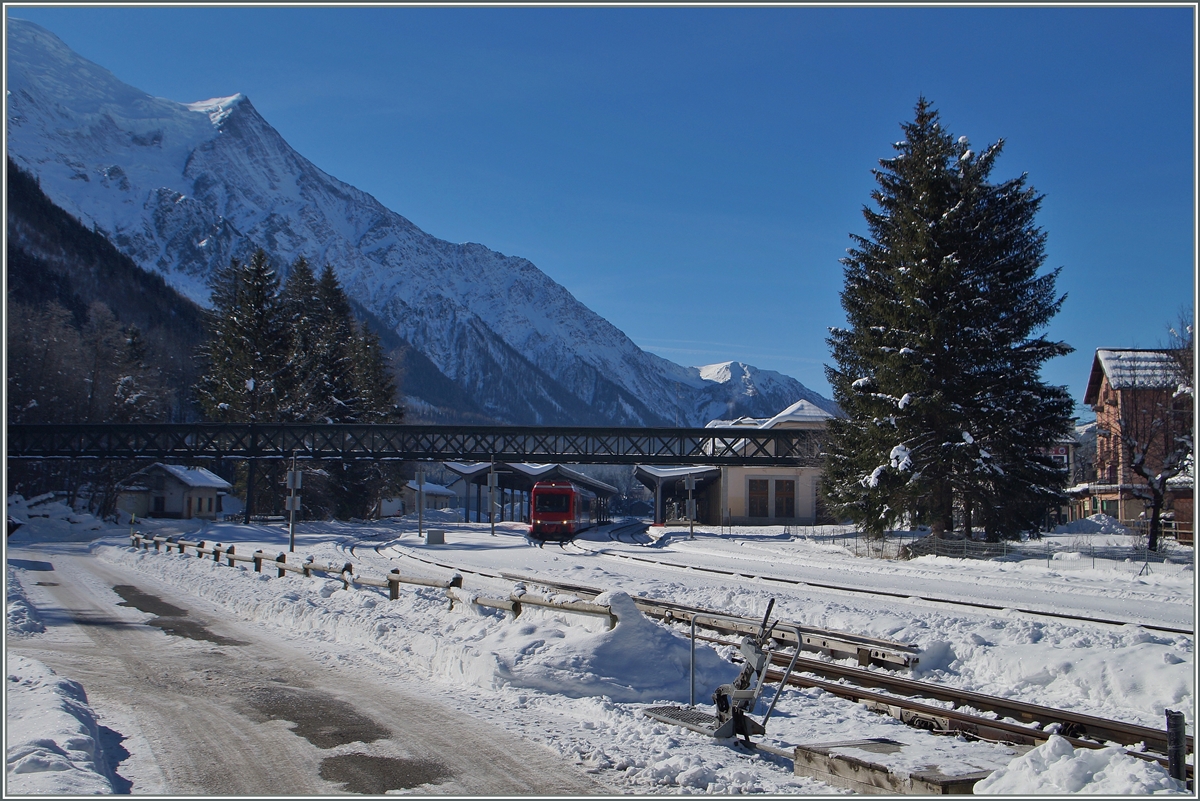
x=560 y=509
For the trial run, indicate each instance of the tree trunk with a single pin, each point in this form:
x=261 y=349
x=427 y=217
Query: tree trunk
x=1156 y=505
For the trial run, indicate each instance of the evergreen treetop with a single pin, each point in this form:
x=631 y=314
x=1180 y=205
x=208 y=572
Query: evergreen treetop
x=938 y=368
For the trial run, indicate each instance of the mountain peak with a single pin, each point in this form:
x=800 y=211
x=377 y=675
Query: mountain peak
x=182 y=188
x=218 y=108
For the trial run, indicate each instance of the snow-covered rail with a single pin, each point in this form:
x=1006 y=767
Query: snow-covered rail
x=1076 y=728
x=840 y=644
x=658 y=562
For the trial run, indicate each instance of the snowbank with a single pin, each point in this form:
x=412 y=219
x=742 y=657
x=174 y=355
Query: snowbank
x=1058 y=768
x=52 y=735
x=22 y=618
x=637 y=661
x=1096 y=524
x=44 y=519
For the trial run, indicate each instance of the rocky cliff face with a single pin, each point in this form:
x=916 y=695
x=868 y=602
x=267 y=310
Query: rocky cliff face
x=182 y=188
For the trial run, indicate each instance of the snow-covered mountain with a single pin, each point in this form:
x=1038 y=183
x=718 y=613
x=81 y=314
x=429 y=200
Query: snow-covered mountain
x=183 y=187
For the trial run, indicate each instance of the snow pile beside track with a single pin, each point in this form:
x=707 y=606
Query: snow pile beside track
x=543 y=650
x=52 y=736
x=579 y=689
x=1058 y=768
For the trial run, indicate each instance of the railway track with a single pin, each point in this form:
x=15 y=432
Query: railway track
x=1015 y=721
x=881 y=593
x=630 y=530
x=906 y=699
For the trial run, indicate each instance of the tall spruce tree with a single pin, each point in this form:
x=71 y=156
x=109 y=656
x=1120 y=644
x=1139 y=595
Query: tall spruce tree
x=301 y=310
x=938 y=372
x=377 y=388
x=335 y=391
x=246 y=357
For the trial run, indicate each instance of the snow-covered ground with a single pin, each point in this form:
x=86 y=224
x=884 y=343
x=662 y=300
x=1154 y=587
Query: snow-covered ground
x=570 y=683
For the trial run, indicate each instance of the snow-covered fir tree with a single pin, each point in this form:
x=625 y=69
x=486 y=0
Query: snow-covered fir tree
x=296 y=354
x=336 y=393
x=246 y=357
x=301 y=307
x=938 y=371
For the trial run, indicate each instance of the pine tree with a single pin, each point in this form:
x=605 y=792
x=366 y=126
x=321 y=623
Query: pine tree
x=335 y=391
x=140 y=394
x=938 y=371
x=301 y=306
x=247 y=354
x=376 y=387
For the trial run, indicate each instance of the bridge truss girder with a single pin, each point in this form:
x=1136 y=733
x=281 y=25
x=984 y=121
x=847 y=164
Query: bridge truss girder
x=198 y=441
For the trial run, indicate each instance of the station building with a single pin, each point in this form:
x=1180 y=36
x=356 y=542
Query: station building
x=729 y=495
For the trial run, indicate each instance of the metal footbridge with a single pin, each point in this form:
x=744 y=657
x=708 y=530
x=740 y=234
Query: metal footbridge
x=778 y=447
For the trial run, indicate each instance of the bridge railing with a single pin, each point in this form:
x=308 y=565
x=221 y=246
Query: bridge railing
x=674 y=446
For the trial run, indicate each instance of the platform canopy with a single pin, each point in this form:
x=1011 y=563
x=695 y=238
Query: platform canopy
x=522 y=476
x=653 y=477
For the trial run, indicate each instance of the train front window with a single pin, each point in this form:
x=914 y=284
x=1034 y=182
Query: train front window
x=553 y=503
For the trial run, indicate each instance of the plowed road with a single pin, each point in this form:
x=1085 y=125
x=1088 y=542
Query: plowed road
x=197 y=704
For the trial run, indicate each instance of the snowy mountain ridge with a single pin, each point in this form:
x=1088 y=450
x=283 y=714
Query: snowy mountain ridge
x=182 y=188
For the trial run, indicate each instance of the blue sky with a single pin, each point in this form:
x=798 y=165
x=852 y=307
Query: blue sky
x=694 y=174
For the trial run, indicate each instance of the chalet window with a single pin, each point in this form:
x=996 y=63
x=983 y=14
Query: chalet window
x=758 y=497
x=210 y=503
x=785 y=499
x=160 y=504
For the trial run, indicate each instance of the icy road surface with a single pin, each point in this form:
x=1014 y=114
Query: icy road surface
x=223 y=708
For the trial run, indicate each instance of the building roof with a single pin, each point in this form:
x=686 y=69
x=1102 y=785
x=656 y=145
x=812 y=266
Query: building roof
x=652 y=476
x=1131 y=369
x=523 y=475
x=430 y=489
x=800 y=412
x=196 y=477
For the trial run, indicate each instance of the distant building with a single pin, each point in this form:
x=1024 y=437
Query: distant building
x=1134 y=388
x=173 y=490
x=436 y=497
x=743 y=495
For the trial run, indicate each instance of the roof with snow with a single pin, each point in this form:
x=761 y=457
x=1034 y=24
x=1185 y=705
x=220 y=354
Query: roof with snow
x=800 y=413
x=430 y=489
x=523 y=475
x=1131 y=369
x=654 y=478
x=196 y=477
